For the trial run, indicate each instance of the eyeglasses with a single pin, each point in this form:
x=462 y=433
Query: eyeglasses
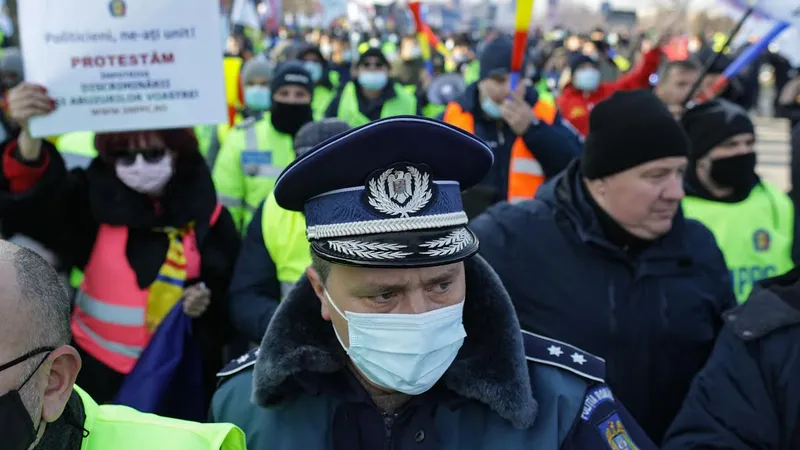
x=128 y=157
x=26 y=357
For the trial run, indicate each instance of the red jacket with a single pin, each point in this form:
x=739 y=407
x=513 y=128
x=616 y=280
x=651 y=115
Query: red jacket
x=575 y=105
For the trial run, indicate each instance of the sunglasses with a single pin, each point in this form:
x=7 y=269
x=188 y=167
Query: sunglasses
x=128 y=157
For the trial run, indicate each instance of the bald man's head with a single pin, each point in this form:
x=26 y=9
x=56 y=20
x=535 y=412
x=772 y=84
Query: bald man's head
x=33 y=300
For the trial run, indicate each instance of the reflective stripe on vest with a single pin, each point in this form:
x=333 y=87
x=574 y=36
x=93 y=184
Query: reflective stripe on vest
x=525 y=174
x=284 y=234
x=400 y=104
x=123 y=428
x=115 y=314
x=251 y=144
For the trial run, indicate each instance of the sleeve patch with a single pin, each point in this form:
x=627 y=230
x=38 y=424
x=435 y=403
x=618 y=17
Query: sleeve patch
x=239 y=364
x=595 y=398
x=559 y=354
x=615 y=435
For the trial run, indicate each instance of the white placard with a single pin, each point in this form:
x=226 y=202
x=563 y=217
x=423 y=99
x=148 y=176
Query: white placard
x=119 y=65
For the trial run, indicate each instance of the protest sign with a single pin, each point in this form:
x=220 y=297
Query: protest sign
x=118 y=65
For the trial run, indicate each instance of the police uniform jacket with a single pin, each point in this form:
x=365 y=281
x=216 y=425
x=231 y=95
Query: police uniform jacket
x=504 y=390
x=653 y=316
x=748 y=395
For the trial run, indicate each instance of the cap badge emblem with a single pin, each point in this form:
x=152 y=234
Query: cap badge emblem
x=401 y=190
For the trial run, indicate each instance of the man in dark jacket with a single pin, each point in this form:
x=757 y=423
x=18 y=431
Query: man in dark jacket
x=748 y=395
x=604 y=258
x=397 y=337
x=527 y=135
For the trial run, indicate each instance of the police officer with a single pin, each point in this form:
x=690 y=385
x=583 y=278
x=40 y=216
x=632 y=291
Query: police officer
x=40 y=405
x=372 y=94
x=275 y=252
x=398 y=335
x=748 y=394
x=752 y=221
x=255 y=152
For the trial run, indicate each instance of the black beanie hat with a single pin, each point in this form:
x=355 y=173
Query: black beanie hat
x=576 y=59
x=496 y=57
x=292 y=72
x=711 y=123
x=628 y=129
x=376 y=52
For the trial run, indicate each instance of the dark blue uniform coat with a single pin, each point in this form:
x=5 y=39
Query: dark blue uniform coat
x=505 y=390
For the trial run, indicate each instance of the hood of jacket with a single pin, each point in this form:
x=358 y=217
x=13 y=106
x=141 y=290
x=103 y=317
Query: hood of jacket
x=490 y=367
x=566 y=195
x=773 y=304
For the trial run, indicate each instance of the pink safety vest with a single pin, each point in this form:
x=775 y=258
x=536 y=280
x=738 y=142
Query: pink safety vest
x=108 y=321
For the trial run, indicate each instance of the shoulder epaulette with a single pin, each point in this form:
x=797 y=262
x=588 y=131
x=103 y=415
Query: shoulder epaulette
x=239 y=364
x=247 y=123
x=559 y=354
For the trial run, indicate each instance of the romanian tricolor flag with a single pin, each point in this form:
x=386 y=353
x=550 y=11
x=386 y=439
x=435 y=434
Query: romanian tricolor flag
x=422 y=36
x=167 y=289
x=522 y=23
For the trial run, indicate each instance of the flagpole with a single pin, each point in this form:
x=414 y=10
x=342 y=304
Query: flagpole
x=716 y=57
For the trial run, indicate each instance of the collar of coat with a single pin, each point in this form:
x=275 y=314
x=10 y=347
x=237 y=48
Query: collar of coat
x=490 y=367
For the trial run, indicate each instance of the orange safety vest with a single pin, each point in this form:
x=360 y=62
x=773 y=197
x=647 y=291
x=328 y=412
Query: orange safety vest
x=108 y=321
x=525 y=174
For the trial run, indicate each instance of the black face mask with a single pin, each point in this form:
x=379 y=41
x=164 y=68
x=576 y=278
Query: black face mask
x=287 y=118
x=16 y=425
x=736 y=172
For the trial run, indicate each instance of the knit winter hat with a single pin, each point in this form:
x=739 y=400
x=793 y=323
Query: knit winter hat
x=711 y=123
x=628 y=129
x=495 y=58
x=377 y=53
x=292 y=72
x=315 y=133
x=577 y=59
x=256 y=67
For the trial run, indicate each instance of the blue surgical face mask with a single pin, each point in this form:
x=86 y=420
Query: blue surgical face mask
x=374 y=81
x=491 y=108
x=586 y=80
x=314 y=69
x=406 y=353
x=257 y=98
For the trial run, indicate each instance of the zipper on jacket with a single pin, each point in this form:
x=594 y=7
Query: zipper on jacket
x=501 y=139
x=388 y=422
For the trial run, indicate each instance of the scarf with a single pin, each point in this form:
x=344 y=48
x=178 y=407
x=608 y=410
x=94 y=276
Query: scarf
x=167 y=289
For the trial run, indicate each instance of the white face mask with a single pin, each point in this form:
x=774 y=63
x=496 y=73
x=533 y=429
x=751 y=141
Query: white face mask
x=407 y=353
x=144 y=177
x=586 y=80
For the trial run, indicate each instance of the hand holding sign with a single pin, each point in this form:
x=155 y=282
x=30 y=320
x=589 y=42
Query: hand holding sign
x=24 y=102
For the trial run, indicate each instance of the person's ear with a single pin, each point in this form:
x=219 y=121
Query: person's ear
x=319 y=289
x=66 y=363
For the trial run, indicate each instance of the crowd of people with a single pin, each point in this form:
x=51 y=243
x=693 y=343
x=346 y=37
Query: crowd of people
x=396 y=254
